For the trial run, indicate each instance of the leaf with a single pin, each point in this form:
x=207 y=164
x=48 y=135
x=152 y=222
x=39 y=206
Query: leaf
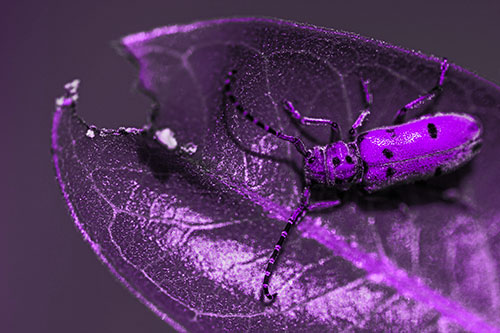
x=189 y=228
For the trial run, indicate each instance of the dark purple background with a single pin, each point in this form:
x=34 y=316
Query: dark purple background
x=50 y=279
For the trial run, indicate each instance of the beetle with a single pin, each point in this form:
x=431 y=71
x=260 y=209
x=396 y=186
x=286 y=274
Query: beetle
x=375 y=159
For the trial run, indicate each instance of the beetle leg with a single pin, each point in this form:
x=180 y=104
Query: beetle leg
x=367 y=102
x=425 y=98
x=320 y=205
x=294 y=113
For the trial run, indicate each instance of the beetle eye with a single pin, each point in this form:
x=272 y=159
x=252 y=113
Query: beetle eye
x=311 y=160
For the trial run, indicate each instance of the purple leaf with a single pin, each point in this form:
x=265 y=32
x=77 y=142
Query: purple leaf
x=188 y=227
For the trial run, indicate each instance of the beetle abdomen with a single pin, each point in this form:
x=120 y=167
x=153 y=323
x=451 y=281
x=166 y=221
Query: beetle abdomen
x=418 y=149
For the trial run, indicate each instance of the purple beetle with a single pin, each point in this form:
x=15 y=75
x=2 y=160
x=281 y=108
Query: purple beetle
x=378 y=158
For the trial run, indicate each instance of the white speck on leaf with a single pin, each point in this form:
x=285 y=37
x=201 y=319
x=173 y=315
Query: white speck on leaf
x=60 y=101
x=71 y=94
x=130 y=130
x=166 y=137
x=189 y=148
x=90 y=133
x=72 y=87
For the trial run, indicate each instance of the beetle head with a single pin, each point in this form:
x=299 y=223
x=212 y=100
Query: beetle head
x=314 y=165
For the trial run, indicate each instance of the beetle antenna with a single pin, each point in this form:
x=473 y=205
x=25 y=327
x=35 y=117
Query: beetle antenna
x=299 y=145
x=296 y=215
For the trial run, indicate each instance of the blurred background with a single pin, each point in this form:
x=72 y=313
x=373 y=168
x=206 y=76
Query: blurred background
x=50 y=280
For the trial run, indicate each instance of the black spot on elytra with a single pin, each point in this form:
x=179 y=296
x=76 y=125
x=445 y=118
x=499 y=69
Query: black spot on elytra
x=389 y=172
x=387 y=153
x=392 y=132
x=349 y=159
x=335 y=161
x=431 y=128
x=438 y=172
x=311 y=160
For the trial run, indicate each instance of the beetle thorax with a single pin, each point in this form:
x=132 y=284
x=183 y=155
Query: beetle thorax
x=343 y=164
x=337 y=164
